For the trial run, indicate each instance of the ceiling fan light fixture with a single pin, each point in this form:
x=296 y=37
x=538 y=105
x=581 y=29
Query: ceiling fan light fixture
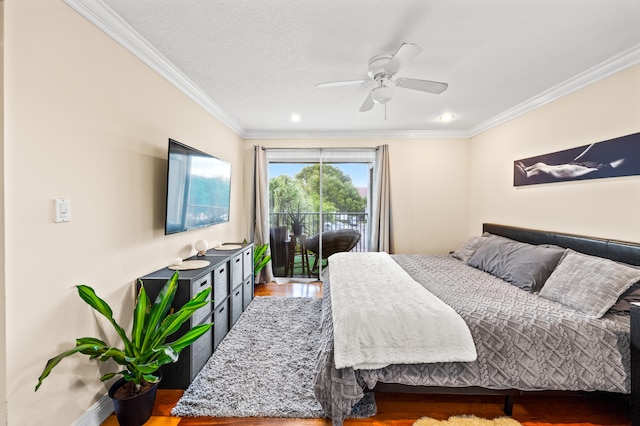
x=382 y=94
x=382 y=69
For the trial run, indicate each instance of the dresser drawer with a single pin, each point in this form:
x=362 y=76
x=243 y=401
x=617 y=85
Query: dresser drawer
x=200 y=353
x=220 y=322
x=196 y=287
x=236 y=270
x=220 y=283
x=247 y=262
x=236 y=304
x=247 y=292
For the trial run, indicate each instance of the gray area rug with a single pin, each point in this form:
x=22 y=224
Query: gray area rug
x=264 y=366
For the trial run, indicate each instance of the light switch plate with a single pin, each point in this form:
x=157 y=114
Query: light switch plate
x=63 y=210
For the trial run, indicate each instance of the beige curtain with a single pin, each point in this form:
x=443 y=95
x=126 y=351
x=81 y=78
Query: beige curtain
x=261 y=202
x=381 y=207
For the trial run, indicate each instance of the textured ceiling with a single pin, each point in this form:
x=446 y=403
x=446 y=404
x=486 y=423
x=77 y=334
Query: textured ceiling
x=255 y=63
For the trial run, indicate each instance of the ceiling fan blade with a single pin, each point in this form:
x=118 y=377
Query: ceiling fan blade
x=428 y=86
x=342 y=83
x=404 y=53
x=368 y=103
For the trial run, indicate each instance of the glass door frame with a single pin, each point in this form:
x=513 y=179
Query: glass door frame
x=323 y=156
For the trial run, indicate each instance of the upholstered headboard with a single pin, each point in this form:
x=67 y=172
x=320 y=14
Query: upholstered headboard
x=619 y=251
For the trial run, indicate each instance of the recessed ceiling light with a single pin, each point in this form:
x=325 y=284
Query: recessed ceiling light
x=295 y=118
x=446 y=117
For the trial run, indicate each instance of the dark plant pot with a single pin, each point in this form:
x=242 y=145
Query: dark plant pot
x=134 y=411
x=297 y=229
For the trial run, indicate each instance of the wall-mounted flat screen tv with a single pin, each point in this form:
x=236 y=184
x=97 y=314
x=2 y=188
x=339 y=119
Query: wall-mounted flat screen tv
x=198 y=189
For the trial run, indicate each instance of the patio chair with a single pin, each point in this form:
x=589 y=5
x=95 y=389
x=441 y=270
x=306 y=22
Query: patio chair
x=342 y=240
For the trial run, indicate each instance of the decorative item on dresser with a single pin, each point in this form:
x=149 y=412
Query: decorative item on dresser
x=201 y=247
x=230 y=275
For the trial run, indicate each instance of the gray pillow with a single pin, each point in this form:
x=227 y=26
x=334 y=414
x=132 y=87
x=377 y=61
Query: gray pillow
x=526 y=266
x=588 y=284
x=469 y=248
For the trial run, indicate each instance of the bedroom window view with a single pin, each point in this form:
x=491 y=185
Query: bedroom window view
x=316 y=209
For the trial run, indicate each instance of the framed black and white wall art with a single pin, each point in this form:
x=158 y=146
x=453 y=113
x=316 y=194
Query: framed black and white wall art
x=610 y=158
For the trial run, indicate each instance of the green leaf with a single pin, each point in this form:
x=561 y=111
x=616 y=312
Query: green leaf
x=260 y=258
x=163 y=355
x=150 y=378
x=140 y=313
x=159 y=310
x=172 y=322
x=259 y=251
x=117 y=355
x=56 y=360
x=89 y=296
x=90 y=341
x=258 y=268
x=190 y=336
x=107 y=377
x=128 y=376
x=93 y=347
x=148 y=368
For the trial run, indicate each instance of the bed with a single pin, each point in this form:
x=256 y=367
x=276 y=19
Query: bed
x=524 y=342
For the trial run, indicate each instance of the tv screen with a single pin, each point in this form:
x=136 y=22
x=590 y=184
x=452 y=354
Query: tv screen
x=198 y=189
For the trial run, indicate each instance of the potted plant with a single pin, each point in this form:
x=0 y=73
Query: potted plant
x=144 y=352
x=260 y=260
x=297 y=220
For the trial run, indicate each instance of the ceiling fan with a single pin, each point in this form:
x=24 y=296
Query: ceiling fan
x=382 y=68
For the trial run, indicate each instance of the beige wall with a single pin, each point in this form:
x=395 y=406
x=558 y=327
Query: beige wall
x=88 y=121
x=3 y=343
x=429 y=188
x=601 y=207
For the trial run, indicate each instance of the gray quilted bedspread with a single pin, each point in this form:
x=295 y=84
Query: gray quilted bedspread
x=523 y=342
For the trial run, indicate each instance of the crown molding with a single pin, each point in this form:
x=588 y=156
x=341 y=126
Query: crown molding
x=599 y=72
x=400 y=134
x=111 y=24
x=103 y=17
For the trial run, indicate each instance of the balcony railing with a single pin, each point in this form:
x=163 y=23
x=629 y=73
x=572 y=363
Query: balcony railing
x=330 y=221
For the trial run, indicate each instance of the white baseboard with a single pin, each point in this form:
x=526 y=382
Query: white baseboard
x=97 y=414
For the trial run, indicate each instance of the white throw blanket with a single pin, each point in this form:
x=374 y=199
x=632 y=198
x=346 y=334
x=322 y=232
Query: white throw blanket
x=382 y=316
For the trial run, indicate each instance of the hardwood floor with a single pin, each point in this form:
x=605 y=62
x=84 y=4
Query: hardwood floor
x=404 y=409
x=313 y=289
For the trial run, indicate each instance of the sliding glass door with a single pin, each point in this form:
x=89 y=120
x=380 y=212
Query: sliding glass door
x=319 y=201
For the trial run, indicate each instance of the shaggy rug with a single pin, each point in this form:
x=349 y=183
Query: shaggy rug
x=466 y=421
x=264 y=366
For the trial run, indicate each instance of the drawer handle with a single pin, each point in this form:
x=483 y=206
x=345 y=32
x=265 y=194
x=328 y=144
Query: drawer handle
x=221 y=270
x=203 y=283
x=238 y=292
x=237 y=260
x=221 y=309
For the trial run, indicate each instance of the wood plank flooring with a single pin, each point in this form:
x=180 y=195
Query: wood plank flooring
x=404 y=409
